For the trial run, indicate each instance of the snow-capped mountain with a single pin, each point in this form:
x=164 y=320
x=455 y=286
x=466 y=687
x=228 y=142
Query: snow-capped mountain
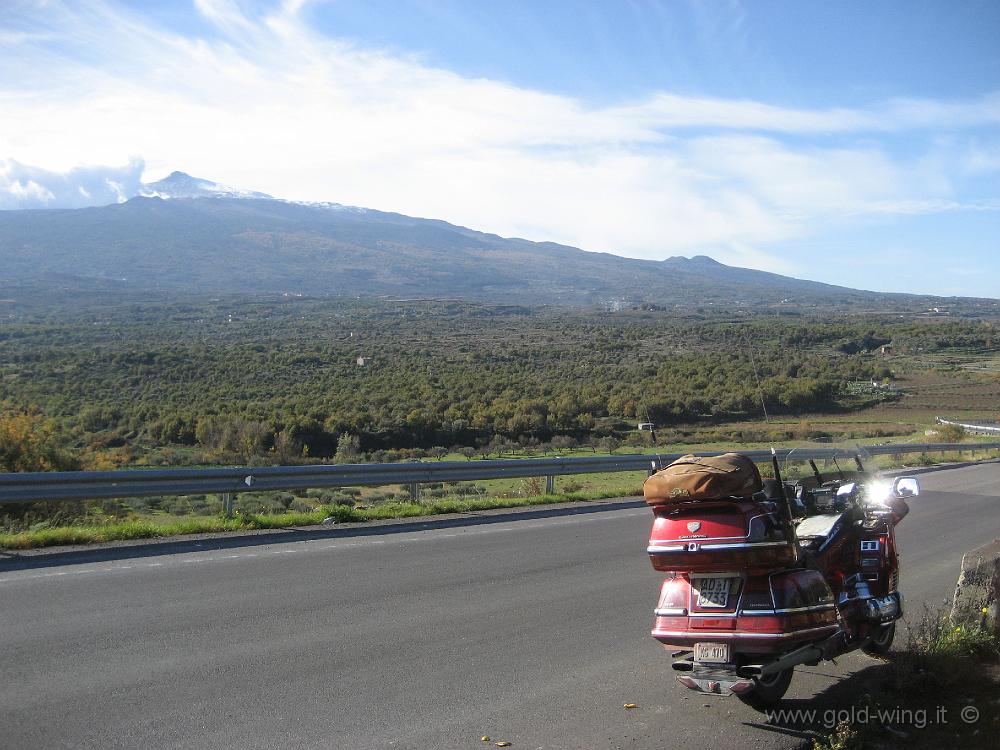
x=186 y=234
x=183 y=185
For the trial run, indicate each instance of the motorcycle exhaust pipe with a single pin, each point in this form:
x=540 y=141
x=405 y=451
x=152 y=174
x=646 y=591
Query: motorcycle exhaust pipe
x=810 y=653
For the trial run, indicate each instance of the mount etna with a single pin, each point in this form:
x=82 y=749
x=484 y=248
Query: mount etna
x=188 y=235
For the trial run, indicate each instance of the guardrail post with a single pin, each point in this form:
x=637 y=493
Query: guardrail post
x=550 y=485
x=414 y=491
x=227 y=504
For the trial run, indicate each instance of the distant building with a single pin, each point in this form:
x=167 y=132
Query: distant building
x=362 y=361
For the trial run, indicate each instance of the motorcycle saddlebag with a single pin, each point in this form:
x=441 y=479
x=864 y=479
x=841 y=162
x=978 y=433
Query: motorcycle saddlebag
x=703 y=478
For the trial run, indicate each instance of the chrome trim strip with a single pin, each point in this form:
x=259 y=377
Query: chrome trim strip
x=741 y=545
x=670 y=611
x=697 y=634
x=656 y=549
x=789 y=610
x=713 y=615
x=772 y=612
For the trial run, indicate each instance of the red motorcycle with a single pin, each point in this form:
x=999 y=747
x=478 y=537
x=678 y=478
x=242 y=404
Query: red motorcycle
x=764 y=575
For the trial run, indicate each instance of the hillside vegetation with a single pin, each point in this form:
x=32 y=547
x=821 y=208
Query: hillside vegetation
x=287 y=379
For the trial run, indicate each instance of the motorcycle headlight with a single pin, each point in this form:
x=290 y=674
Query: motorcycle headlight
x=878 y=492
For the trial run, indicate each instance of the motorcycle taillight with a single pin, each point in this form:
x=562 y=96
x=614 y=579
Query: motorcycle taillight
x=674 y=593
x=761 y=623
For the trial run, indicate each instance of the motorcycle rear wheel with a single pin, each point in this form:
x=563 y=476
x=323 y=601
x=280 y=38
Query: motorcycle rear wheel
x=880 y=645
x=768 y=690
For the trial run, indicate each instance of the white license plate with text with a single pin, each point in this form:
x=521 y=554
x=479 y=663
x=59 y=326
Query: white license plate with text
x=714 y=653
x=713 y=592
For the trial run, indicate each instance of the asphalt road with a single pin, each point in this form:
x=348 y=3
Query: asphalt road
x=533 y=631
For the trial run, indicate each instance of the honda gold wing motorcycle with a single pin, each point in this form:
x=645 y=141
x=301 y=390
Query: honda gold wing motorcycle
x=763 y=575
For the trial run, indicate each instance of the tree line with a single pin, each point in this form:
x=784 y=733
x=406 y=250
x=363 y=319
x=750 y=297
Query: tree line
x=311 y=378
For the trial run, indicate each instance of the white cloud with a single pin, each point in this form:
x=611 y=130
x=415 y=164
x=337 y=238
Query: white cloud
x=224 y=13
x=929 y=206
x=10 y=38
x=23 y=186
x=982 y=160
x=27 y=193
x=666 y=111
x=271 y=105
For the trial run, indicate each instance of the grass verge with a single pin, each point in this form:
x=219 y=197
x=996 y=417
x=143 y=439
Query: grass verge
x=148 y=529
x=940 y=690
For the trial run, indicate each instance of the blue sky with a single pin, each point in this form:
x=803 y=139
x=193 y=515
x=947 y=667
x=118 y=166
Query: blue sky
x=852 y=142
x=794 y=52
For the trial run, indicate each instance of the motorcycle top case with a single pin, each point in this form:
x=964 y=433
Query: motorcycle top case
x=718 y=535
x=692 y=478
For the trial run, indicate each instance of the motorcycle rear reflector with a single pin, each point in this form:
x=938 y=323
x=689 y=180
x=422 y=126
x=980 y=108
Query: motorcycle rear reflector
x=712 y=623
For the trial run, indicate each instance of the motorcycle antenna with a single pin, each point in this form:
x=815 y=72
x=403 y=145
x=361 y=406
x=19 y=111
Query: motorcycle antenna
x=819 y=477
x=785 y=508
x=839 y=470
x=652 y=431
x=756 y=377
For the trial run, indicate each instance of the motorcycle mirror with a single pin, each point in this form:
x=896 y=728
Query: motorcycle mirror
x=906 y=487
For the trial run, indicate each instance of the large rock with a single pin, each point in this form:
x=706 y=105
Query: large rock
x=978 y=591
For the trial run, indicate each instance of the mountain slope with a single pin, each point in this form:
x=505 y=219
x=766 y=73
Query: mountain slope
x=206 y=238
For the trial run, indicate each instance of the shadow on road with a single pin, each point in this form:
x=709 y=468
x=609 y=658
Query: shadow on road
x=12 y=560
x=808 y=718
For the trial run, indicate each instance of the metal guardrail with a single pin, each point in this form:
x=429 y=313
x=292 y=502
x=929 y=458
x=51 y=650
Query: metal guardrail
x=984 y=429
x=92 y=485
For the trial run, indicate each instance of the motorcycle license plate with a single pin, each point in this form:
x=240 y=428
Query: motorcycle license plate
x=713 y=592
x=715 y=653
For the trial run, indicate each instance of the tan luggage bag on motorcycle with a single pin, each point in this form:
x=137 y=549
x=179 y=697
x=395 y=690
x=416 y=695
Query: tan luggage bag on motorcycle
x=703 y=478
